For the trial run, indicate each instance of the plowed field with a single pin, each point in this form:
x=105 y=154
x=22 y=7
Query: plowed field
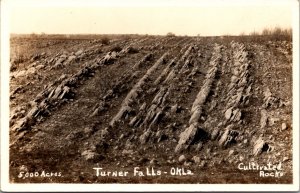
x=205 y=105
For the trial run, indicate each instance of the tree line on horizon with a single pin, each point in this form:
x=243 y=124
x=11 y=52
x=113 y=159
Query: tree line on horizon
x=276 y=31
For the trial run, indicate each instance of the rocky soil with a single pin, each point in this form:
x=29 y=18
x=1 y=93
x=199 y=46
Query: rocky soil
x=203 y=105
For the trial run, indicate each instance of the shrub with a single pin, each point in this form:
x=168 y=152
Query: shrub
x=105 y=40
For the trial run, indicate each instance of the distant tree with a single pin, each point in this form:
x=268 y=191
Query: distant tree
x=242 y=34
x=266 y=32
x=33 y=35
x=171 y=34
x=254 y=33
x=290 y=31
x=278 y=31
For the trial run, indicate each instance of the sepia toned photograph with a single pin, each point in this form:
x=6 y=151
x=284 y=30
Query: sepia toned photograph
x=149 y=93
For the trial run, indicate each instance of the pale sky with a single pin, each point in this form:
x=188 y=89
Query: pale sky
x=190 y=19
